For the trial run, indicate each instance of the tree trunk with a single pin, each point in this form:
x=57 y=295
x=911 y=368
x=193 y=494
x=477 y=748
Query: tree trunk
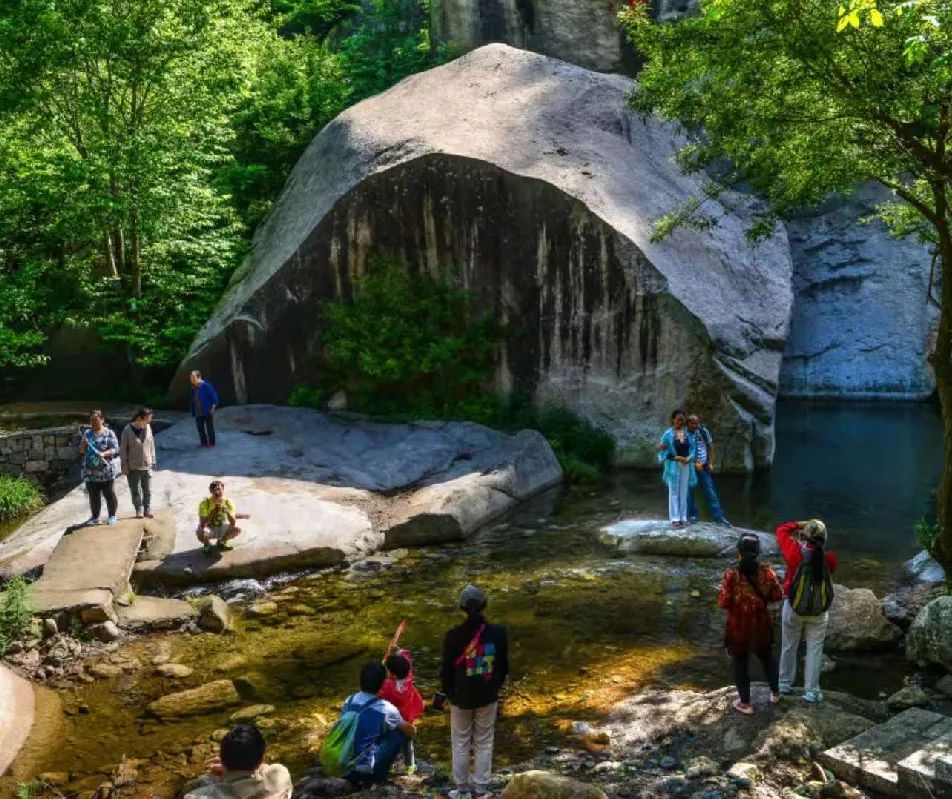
x=135 y=254
x=942 y=367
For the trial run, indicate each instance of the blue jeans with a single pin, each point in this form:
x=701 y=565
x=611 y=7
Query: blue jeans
x=705 y=481
x=385 y=753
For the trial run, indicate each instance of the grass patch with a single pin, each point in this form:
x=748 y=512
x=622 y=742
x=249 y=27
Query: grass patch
x=19 y=496
x=15 y=611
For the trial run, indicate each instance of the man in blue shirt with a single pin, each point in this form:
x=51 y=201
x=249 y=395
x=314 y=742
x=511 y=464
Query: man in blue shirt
x=203 y=400
x=704 y=464
x=381 y=730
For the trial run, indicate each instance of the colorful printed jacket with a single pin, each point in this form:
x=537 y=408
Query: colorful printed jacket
x=472 y=673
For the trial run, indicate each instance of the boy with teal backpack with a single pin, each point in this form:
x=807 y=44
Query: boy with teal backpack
x=370 y=733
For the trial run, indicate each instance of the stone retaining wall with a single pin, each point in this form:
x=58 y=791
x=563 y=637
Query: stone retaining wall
x=48 y=455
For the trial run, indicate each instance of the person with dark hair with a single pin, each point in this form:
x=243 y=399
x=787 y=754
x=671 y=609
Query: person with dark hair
x=240 y=771
x=704 y=472
x=475 y=666
x=746 y=592
x=676 y=454
x=804 y=542
x=217 y=519
x=400 y=691
x=99 y=447
x=203 y=402
x=137 y=453
x=381 y=731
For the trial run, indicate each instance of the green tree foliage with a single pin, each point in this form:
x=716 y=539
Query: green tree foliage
x=801 y=110
x=141 y=142
x=408 y=341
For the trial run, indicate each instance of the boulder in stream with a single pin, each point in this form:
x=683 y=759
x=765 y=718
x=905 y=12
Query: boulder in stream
x=930 y=636
x=857 y=622
x=700 y=540
x=214 y=615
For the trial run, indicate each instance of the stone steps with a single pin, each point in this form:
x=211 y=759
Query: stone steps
x=908 y=756
x=88 y=571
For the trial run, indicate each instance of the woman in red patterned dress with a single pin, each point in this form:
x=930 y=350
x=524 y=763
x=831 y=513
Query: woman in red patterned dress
x=746 y=591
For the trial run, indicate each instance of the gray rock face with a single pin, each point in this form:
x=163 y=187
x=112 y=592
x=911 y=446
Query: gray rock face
x=584 y=32
x=857 y=622
x=546 y=213
x=861 y=325
x=701 y=540
x=930 y=637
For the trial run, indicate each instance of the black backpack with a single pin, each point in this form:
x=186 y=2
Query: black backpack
x=808 y=596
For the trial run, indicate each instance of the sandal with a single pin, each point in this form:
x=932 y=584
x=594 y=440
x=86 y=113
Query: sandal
x=774 y=698
x=224 y=546
x=740 y=707
x=208 y=549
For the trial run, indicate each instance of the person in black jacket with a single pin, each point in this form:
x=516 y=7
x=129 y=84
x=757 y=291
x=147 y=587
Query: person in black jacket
x=475 y=665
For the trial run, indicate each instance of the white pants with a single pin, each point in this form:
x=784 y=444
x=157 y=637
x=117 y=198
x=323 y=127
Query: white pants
x=678 y=494
x=472 y=730
x=793 y=628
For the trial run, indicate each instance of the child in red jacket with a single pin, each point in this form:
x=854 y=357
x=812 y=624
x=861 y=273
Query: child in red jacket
x=400 y=691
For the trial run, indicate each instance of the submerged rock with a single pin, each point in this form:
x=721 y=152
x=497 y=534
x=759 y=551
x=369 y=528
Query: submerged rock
x=207 y=698
x=545 y=785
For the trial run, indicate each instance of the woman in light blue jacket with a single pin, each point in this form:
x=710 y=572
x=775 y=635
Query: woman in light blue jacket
x=676 y=454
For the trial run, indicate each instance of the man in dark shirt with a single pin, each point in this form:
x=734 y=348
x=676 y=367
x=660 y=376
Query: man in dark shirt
x=475 y=665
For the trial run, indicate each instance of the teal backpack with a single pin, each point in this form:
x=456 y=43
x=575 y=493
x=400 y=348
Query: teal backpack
x=337 y=755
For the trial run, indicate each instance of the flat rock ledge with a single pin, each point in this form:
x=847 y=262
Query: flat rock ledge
x=319 y=491
x=700 y=540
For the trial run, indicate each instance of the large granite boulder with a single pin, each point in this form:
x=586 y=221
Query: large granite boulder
x=857 y=622
x=840 y=266
x=531 y=179
x=701 y=540
x=318 y=491
x=930 y=637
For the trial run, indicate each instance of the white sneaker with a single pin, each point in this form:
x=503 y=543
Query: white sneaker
x=458 y=794
x=813 y=696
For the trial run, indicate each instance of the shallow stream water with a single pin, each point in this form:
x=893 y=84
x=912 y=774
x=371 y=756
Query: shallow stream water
x=587 y=626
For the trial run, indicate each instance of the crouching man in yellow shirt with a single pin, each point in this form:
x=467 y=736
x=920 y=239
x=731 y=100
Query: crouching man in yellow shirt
x=217 y=519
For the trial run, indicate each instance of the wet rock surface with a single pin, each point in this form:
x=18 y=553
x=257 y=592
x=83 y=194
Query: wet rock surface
x=318 y=491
